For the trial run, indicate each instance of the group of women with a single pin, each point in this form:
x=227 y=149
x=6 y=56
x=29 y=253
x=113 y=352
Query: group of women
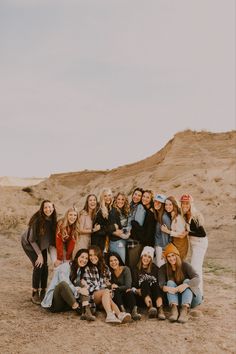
x=119 y=256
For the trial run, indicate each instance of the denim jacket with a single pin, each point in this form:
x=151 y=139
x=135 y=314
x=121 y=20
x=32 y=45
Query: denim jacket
x=161 y=238
x=62 y=273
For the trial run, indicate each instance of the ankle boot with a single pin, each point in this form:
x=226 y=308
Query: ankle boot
x=87 y=315
x=160 y=313
x=174 y=313
x=135 y=315
x=35 y=298
x=183 y=317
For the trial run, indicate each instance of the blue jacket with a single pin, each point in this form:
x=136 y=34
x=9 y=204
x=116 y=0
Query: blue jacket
x=161 y=238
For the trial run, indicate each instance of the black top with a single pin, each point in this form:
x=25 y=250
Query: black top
x=107 y=228
x=144 y=234
x=196 y=229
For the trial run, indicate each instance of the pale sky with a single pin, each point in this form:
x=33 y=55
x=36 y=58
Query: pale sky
x=96 y=84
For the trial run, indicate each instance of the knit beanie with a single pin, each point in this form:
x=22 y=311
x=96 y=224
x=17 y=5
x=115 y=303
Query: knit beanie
x=149 y=251
x=170 y=248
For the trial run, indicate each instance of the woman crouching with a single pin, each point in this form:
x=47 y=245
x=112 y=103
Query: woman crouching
x=67 y=288
x=145 y=284
x=181 y=283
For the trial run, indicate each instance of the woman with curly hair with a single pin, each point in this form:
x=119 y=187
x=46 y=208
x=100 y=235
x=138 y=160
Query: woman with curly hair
x=177 y=229
x=68 y=290
x=197 y=234
x=66 y=235
x=36 y=241
x=118 y=243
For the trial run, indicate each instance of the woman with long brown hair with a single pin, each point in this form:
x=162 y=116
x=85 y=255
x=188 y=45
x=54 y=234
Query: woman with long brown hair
x=181 y=283
x=197 y=235
x=36 y=241
x=86 y=220
x=97 y=275
x=177 y=230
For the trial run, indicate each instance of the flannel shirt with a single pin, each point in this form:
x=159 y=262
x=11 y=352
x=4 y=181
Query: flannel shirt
x=96 y=281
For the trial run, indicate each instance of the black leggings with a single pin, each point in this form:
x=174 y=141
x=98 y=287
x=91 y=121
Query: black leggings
x=153 y=291
x=127 y=299
x=40 y=274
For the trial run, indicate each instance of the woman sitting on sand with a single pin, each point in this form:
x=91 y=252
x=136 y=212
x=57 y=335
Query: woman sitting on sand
x=197 y=234
x=121 y=281
x=66 y=235
x=36 y=241
x=97 y=276
x=67 y=288
x=181 y=283
x=145 y=284
x=178 y=227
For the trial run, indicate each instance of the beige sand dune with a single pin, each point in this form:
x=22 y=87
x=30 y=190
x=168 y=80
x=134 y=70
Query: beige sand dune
x=201 y=163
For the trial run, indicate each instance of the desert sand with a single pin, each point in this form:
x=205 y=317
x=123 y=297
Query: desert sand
x=200 y=163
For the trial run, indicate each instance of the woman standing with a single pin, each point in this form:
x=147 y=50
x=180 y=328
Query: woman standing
x=66 y=235
x=145 y=284
x=67 y=289
x=197 y=235
x=118 y=244
x=121 y=281
x=161 y=238
x=107 y=221
x=181 y=283
x=97 y=276
x=86 y=220
x=144 y=234
x=137 y=214
x=178 y=227
x=35 y=242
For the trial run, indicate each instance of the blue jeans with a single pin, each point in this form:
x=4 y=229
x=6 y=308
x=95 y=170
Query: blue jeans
x=186 y=297
x=118 y=247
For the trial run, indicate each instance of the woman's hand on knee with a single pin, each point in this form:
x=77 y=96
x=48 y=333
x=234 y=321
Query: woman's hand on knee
x=39 y=261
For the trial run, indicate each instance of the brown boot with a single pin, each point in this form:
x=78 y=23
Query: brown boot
x=87 y=315
x=160 y=313
x=135 y=315
x=183 y=317
x=36 y=298
x=174 y=313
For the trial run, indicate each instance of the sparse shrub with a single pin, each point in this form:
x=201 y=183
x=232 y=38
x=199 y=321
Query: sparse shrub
x=27 y=190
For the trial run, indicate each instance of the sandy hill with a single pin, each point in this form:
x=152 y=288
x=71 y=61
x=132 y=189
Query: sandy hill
x=201 y=163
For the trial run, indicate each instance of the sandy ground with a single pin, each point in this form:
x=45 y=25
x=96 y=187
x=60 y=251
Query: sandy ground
x=26 y=328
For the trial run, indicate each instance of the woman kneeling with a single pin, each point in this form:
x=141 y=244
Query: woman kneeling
x=181 y=283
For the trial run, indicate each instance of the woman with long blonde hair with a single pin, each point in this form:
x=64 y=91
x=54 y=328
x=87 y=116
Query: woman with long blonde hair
x=66 y=235
x=118 y=243
x=181 y=283
x=107 y=221
x=197 y=234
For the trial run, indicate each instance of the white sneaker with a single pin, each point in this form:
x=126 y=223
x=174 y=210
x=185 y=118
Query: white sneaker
x=111 y=318
x=124 y=317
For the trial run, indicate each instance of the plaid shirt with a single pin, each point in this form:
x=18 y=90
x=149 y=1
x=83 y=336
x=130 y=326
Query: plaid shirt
x=96 y=281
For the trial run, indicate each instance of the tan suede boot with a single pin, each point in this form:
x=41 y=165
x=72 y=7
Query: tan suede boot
x=183 y=317
x=87 y=315
x=174 y=313
x=160 y=313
